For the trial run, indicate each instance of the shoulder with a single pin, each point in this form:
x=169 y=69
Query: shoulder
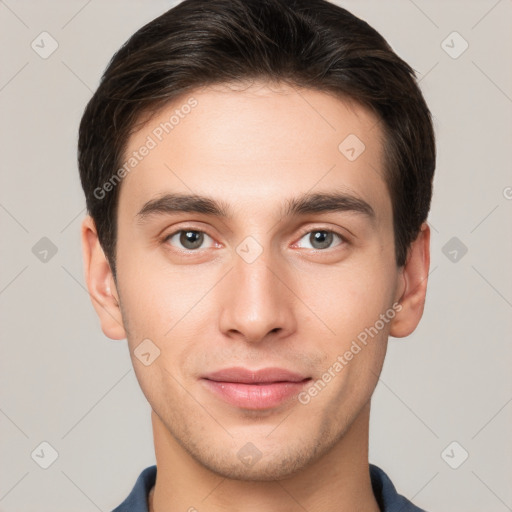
x=386 y=495
x=137 y=500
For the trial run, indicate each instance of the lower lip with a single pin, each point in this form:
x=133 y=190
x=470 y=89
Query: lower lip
x=256 y=396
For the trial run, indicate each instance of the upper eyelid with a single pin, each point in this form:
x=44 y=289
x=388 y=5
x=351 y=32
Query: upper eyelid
x=324 y=228
x=187 y=228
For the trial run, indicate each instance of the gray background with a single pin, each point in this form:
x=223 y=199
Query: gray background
x=63 y=382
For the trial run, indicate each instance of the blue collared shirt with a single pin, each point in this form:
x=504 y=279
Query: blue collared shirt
x=383 y=489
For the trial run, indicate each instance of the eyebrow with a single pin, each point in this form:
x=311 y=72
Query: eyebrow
x=309 y=203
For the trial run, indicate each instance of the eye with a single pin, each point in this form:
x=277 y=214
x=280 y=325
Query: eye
x=321 y=238
x=190 y=239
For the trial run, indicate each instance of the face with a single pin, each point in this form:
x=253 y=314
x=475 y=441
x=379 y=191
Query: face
x=270 y=280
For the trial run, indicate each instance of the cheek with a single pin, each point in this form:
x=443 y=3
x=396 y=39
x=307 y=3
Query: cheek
x=349 y=298
x=150 y=293
x=165 y=305
x=351 y=306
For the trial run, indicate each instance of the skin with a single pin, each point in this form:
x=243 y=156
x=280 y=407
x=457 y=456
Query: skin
x=294 y=307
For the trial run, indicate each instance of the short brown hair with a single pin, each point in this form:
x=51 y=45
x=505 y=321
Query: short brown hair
x=306 y=43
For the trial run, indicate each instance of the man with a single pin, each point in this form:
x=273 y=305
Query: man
x=258 y=175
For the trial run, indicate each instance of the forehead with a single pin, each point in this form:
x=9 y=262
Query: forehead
x=254 y=144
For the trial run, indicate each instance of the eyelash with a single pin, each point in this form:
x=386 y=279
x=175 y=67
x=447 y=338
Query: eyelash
x=343 y=239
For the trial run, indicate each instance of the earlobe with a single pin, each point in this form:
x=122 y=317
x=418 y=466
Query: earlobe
x=411 y=296
x=100 y=282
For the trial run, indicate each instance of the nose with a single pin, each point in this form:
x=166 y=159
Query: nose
x=257 y=301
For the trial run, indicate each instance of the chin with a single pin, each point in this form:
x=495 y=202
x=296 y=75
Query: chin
x=251 y=465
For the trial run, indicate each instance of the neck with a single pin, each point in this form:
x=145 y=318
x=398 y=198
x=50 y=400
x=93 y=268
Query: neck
x=338 y=480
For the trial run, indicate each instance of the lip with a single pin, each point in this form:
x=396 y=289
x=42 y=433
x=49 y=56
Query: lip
x=255 y=389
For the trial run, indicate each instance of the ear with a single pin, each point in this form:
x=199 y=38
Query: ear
x=411 y=293
x=100 y=282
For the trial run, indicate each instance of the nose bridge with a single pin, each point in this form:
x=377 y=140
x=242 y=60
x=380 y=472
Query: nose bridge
x=258 y=302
